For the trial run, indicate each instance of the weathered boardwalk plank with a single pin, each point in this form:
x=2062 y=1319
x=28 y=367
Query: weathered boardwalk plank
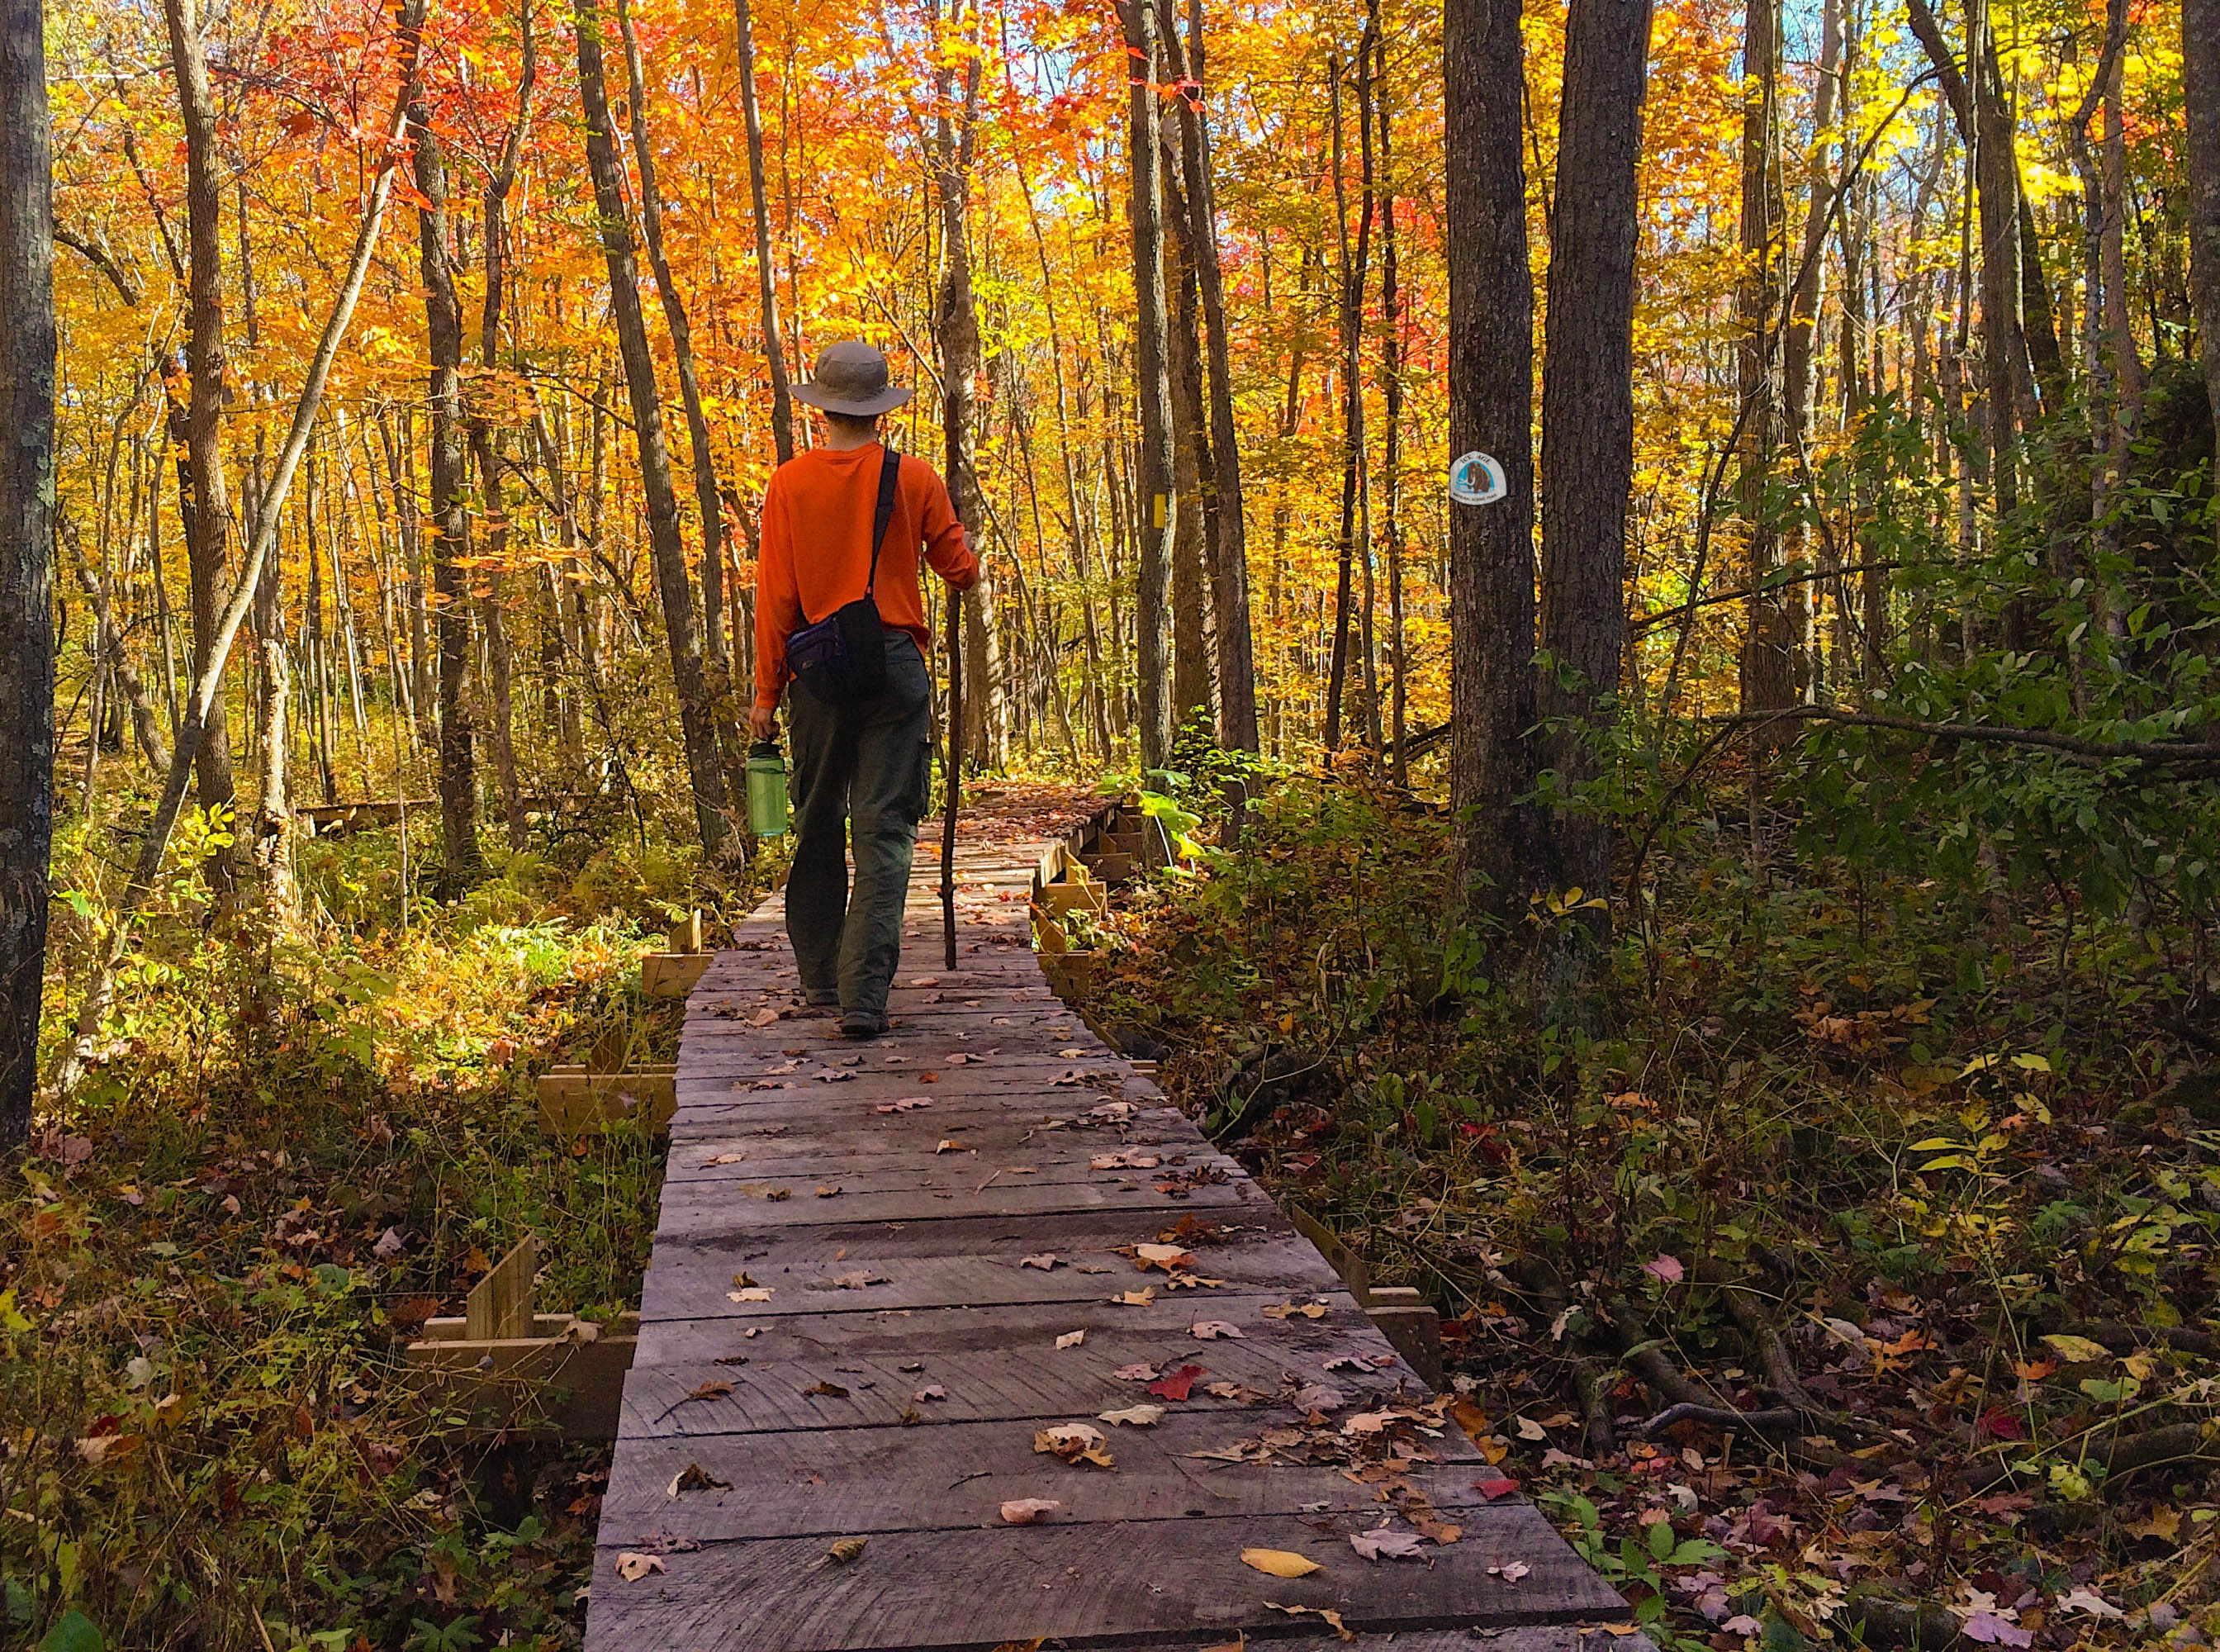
x=847 y=1333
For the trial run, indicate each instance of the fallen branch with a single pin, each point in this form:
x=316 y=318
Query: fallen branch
x=1778 y=1419
x=2089 y=752
x=1901 y=1626
x=2120 y=1455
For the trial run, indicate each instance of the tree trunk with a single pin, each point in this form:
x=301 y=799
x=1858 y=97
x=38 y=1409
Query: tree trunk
x=1156 y=503
x=205 y=359
x=492 y=607
x=1391 y=466
x=782 y=404
x=1490 y=297
x=27 y=573
x=1353 y=272
x=1768 y=648
x=1588 y=406
x=2200 y=95
x=1229 y=562
x=707 y=497
x=462 y=861
x=1193 y=679
x=956 y=330
x=273 y=826
x=696 y=714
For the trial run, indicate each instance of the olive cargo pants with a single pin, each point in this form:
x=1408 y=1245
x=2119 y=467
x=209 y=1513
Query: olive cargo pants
x=865 y=770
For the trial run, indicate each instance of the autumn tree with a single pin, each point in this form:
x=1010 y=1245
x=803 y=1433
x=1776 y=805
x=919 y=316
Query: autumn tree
x=27 y=612
x=2200 y=97
x=673 y=583
x=1588 y=406
x=1491 y=398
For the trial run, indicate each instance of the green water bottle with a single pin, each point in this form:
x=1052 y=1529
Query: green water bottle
x=766 y=790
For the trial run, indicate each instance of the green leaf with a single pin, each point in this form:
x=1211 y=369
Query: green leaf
x=1661 y=1540
x=73 y=1632
x=10 y=1318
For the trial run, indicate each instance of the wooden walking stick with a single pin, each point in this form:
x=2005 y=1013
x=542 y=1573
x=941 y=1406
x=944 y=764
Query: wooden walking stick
x=952 y=771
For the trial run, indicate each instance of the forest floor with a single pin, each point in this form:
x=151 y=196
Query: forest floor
x=210 y=1266
x=1837 y=1266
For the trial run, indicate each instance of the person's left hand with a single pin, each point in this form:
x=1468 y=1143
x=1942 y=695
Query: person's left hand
x=763 y=723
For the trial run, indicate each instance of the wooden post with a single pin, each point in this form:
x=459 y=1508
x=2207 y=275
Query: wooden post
x=686 y=933
x=955 y=771
x=499 y=1306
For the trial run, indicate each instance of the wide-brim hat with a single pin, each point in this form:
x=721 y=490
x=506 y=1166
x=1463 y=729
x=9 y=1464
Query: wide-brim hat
x=852 y=378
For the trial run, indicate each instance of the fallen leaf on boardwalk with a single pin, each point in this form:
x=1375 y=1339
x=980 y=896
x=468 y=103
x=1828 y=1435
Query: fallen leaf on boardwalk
x=1510 y=1571
x=952 y=1147
x=751 y=1294
x=763 y=1018
x=1123 y=1162
x=1331 y=1617
x=830 y=1390
x=631 y=1567
x=1024 y=1511
x=857 y=1281
x=1046 y=1262
x=1140 y=1371
x=1384 y=1544
x=1139 y=1299
x=829 y=1190
x=1190 y=1282
x=1166 y=1256
x=1239 y=1645
x=834 y=1075
x=1072 y=1339
x=907 y=1104
x=958 y=1059
x=1071 y=1055
x=1368 y=1422
x=1279 y=1562
x=930 y=1391
x=1176 y=1385
x=714 y=1389
x=722 y=1158
x=1289 y=1309
x=845 y=1549
x=1205 y=1329
x=1318 y=1396
x=1500 y=1486
x=1074 y=1443
x=926 y=981
x=1135 y=1416
x=695 y=1478
x=1033 y=1645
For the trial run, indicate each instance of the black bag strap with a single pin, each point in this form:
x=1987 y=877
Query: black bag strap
x=889 y=469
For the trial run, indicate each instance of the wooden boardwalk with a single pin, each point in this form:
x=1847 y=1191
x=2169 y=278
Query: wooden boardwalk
x=862 y=1312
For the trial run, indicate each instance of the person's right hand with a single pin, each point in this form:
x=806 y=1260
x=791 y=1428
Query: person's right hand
x=763 y=723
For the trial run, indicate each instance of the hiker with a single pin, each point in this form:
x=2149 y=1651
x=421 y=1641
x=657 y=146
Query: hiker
x=839 y=614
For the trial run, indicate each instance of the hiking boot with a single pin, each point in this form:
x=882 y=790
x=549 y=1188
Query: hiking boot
x=822 y=997
x=862 y=1024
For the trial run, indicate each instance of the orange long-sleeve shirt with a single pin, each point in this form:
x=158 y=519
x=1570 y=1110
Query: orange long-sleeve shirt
x=816 y=554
